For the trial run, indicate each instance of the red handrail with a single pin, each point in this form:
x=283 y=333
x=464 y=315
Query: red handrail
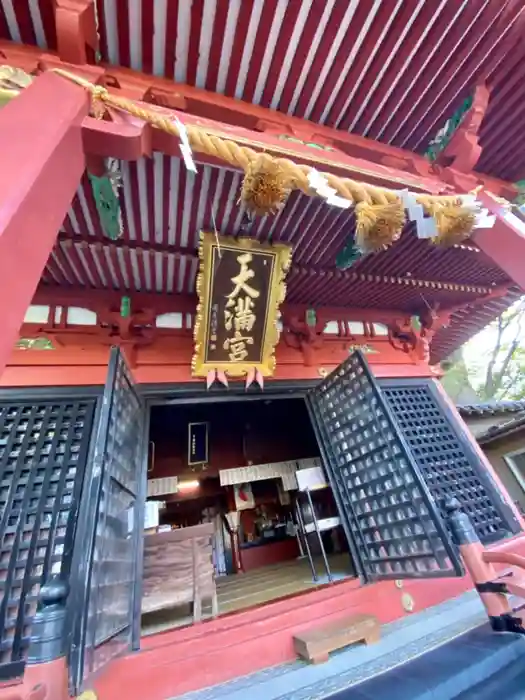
x=495 y=557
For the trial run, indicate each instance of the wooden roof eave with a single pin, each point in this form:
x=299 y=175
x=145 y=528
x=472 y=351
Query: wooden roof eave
x=351 y=155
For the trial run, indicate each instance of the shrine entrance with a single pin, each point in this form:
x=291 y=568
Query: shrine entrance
x=74 y=499
x=228 y=525
x=387 y=452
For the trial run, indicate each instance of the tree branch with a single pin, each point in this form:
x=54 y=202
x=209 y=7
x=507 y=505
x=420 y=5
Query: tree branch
x=490 y=389
x=496 y=372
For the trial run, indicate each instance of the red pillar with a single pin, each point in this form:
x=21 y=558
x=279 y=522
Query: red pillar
x=41 y=163
x=505 y=242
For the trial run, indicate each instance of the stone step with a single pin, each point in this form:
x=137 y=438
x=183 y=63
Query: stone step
x=449 y=672
x=508 y=684
x=401 y=642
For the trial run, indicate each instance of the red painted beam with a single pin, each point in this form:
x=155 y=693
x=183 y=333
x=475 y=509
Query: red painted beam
x=505 y=242
x=129 y=139
x=42 y=163
x=373 y=162
x=104 y=299
x=76 y=28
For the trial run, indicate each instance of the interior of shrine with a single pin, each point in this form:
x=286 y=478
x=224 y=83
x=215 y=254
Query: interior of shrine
x=215 y=565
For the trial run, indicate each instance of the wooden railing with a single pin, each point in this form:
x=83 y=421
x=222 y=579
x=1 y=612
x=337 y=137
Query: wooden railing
x=494 y=587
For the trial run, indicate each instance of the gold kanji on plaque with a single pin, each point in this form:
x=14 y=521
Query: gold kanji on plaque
x=240 y=288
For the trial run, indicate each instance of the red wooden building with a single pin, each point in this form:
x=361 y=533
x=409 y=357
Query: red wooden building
x=99 y=248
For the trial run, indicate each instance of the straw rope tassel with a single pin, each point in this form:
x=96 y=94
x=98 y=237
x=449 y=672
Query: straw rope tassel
x=269 y=181
x=378 y=225
x=453 y=220
x=266 y=185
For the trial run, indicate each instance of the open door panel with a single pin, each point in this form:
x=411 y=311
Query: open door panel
x=116 y=525
x=393 y=526
x=446 y=458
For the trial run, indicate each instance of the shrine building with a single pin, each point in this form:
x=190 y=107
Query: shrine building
x=237 y=240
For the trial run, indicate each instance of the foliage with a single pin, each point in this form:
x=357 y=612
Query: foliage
x=505 y=371
x=499 y=372
x=456 y=380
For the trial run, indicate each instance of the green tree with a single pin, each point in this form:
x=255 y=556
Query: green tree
x=456 y=381
x=500 y=370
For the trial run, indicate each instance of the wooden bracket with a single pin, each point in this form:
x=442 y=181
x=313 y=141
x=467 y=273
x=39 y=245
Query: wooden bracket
x=298 y=334
x=464 y=150
x=76 y=29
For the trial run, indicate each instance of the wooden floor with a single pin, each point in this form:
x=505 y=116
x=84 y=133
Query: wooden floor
x=256 y=587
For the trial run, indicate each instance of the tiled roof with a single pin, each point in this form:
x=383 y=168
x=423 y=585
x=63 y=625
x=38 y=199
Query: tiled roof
x=496 y=408
x=492 y=408
x=499 y=431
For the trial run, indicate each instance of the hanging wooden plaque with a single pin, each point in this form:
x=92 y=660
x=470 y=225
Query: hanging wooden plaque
x=197 y=444
x=240 y=288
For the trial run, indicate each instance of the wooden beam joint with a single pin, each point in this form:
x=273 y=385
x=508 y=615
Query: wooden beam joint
x=505 y=242
x=302 y=336
x=464 y=150
x=76 y=29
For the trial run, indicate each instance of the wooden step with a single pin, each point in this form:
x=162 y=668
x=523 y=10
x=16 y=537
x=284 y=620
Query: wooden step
x=315 y=644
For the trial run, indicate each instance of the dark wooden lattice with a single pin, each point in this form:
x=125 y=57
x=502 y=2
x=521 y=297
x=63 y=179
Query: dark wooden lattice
x=119 y=452
x=391 y=521
x=448 y=464
x=43 y=451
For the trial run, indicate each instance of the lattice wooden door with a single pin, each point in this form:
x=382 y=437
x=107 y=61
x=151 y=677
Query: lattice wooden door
x=43 y=452
x=449 y=465
x=118 y=459
x=391 y=521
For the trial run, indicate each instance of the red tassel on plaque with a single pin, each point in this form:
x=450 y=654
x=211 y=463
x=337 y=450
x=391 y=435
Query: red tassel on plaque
x=210 y=378
x=250 y=378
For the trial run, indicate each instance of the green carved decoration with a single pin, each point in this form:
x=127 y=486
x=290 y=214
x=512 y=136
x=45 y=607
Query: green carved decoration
x=415 y=323
x=125 y=307
x=520 y=198
x=443 y=136
x=105 y=192
x=310 y=144
x=34 y=344
x=348 y=255
x=365 y=349
x=311 y=318
x=12 y=82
